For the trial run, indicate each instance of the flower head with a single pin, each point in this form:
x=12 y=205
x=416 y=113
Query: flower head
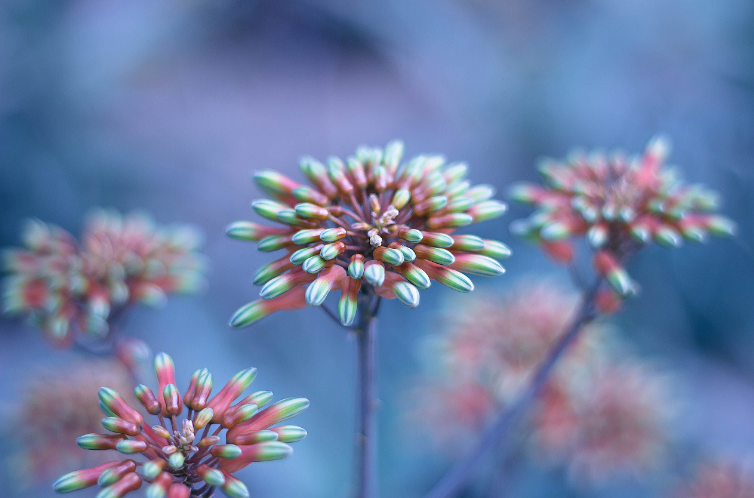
x=66 y=286
x=183 y=457
x=370 y=221
x=612 y=423
x=619 y=204
x=56 y=408
x=487 y=352
x=720 y=479
x=601 y=414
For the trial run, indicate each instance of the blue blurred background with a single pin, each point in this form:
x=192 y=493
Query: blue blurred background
x=170 y=106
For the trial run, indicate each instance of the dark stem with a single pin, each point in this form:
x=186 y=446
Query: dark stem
x=452 y=483
x=368 y=402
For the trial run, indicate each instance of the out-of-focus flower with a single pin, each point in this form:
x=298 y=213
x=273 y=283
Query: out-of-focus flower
x=486 y=353
x=501 y=340
x=600 y=415
x=180 y=461
x=720 y=479
x=372 y=221
x=65 y=286
x=613 y=423
x=56 y=407
x=619 y=204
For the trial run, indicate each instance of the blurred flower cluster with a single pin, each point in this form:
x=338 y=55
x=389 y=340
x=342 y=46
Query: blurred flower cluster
x=619 y=204
x=66 y=286
x=55 y=407
x=372 y=220
x=603 y=413
x=720 y=479
x=181 y=462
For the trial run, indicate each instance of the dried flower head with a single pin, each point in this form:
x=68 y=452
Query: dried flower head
x=368 y=221
x=67 y=286
x=184 y=457
x=613 y=423
x=47 y=436
x=720 y=479
x=619 y=204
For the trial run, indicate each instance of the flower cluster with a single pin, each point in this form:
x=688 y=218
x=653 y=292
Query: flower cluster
x=612 y=423
x=598 y=415
x=181 y=463
x=620 y=204
x=371 y=220
x=67 y=286
x=720 y=479
x=47 y=436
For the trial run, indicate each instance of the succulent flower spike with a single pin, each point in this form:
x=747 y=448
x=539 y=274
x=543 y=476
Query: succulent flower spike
x=365 y=221
x=619 y=204
x=69 y=287
x=181 y=461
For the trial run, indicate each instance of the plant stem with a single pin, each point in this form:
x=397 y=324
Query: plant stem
x=452 y=483
x=368 y=403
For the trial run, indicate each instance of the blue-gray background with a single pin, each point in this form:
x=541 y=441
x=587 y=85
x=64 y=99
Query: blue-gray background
x=170 y=106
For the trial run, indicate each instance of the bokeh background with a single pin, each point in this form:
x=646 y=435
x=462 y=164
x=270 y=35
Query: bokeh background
x=170 y=106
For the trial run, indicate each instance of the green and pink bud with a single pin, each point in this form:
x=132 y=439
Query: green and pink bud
x=250 y=231
x=234 y=488
x=331 y=251
x=300 y=256
x=268 y=209
x=260 y=452
x=451 y=220
x=284 y=283
x=446 y=276
x=203 y=390
x=328 y=279
x=120 y=426
x=275 y=243
x=387 y=255
x=289 y=433
x=130 y=446
x=374 y=273
x=312 y=211
x=237 y=414
x=171 y=398
x=608 y=267
x=348 y=303
x=476 y=264
x=254 y=437
x=232 y=390
x=487 y=210
x=333 y=234
x=147 y=399
x=153 y=468
x=254 y=311
x=203 y=418
x=112 y=400
x=115 y=473
x=470 y=243
x=434 y=254
x=81 y=479
x=159 y=487
x=274 y=414
x=406 y=293
x=414 y=274
x=129 y=482
x=356 y=266
x=211 y=476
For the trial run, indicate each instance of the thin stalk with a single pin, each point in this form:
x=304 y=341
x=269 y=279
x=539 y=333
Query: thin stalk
x=452 y=483
x=368 y=403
